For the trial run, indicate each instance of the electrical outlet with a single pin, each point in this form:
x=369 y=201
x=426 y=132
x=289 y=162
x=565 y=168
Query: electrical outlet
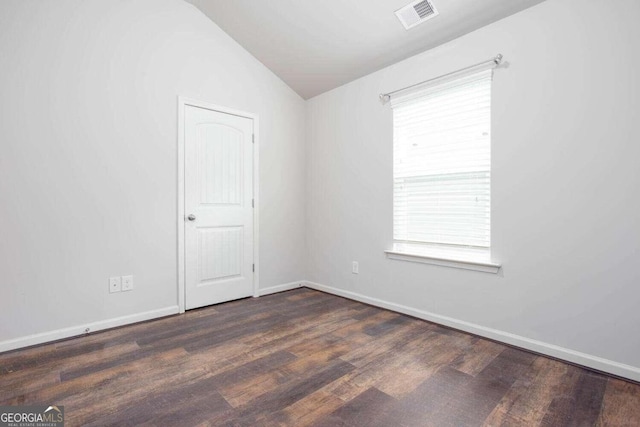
x=354 y=267
x=115 y=284
x=127 y=283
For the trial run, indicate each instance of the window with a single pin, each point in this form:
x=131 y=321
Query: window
x=442 y=167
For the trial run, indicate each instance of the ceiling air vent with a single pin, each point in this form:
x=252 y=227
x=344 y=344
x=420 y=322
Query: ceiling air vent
x=416 y=13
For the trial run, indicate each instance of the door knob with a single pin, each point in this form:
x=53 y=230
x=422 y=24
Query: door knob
x=191 y=217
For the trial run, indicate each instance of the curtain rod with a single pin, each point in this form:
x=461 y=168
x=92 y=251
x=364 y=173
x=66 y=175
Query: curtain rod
x=385 y=97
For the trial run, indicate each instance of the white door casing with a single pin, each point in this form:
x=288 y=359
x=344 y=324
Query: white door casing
x=218 y=212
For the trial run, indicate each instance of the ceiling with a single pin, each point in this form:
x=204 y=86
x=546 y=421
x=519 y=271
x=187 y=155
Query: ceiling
x=317 y=45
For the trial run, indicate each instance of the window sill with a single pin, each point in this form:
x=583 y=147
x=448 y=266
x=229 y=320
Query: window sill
x=476 y=260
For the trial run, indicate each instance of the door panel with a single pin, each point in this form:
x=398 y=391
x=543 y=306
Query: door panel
x=220 y=164
x=220 y=253
x=218 y=196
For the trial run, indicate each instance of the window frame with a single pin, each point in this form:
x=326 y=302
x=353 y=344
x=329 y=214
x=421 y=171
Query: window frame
x=463 y=256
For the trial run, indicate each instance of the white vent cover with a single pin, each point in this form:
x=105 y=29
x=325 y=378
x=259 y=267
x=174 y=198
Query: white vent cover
x=416 y=13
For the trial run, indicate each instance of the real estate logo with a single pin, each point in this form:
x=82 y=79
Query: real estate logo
x=32 y=416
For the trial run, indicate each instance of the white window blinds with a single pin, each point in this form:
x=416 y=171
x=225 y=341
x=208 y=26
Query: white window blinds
x=442 y=163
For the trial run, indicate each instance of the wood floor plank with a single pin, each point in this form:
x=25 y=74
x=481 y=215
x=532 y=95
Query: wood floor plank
x=49 y=374
x=302 y=358
x=105 y=391
x=185 y=408
x=527 y=401
x=121 y=359
x=364 y=410
x=303 y=330
x=453 y=398
x=431 y=404
x=488 y=388
x=408 y=369
x=581 y=400
x=305 y=411
x=386 y=326
x=316 y=344
x=196 y=393
x=259 y=409
x=51 y=355
x=372 y=318
x=260 y=331
x=621 y=404
x=478 y=356
x=394 y=371
x=395 y=341
x=351 y=385
x=375 y=360
x=329 y=342
x=297 y=296
x=206 y=338
x=319 y=321
x=14 y=388
x=242 y=392
x=367 y=311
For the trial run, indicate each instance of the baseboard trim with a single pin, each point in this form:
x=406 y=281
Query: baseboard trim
x=280 y=288
x=73 y=331
x=576 y=357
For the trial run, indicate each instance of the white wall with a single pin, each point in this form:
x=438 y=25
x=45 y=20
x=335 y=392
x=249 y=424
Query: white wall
x=88 y=162
x=565 y=205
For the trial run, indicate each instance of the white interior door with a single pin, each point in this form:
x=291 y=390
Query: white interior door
x=218 y=207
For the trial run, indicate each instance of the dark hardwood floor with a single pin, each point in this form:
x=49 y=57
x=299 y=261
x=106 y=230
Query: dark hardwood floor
x=307 y=358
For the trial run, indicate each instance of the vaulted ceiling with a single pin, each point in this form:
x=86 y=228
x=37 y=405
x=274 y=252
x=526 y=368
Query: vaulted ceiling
x=315 y=46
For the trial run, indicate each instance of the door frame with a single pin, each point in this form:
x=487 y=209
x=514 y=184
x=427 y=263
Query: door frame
x=183 y=102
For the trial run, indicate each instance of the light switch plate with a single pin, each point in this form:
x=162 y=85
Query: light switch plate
x=127 y=283
x=355 y=267
x=115 y=284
